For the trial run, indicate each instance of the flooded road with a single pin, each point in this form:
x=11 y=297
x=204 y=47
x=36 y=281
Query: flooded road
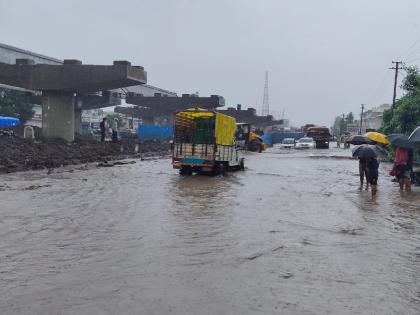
x=291 y=235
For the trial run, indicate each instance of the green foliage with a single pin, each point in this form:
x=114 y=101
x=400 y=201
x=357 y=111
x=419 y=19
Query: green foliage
x=405 y=116
x=115 y=118
x=340 y=124
x=411 y=82
x=15 y=104
x=350 y=118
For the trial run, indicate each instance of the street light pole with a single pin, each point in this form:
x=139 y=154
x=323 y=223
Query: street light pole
x=361 y=119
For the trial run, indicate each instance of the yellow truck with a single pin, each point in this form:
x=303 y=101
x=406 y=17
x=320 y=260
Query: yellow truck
x=204 y=142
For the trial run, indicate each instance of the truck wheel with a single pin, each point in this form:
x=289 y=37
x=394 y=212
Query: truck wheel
x=242 y=165
x=185 y=170
x=254 y=146
x=219 y=169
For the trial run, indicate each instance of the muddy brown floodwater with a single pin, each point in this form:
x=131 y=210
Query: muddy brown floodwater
x=290 y=235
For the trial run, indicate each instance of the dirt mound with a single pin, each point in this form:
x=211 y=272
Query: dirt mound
x=18 y=154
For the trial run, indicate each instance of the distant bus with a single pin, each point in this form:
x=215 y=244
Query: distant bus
x=321 y=136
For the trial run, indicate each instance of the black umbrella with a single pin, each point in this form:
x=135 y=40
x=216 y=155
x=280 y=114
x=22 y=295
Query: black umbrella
x=394 y=136
x=401 y=140
x=359 y=139
x=366 y=151
x=415 y=135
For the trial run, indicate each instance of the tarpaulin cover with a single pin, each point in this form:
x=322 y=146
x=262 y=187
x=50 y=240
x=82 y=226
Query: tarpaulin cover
x=225 y=129
x=196 y=125
x=9 y=121
x=150 y=132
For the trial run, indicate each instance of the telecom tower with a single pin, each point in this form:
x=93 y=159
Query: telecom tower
x=265 y=106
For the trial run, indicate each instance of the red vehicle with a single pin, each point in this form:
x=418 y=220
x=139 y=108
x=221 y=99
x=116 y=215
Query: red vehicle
x=321 y=136
x=306 y=127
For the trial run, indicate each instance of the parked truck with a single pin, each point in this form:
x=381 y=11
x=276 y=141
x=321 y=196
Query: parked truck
x=204 y=142
x=321 y=136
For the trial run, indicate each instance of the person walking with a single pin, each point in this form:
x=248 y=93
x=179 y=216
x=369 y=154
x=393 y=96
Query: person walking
x=363 y=172
x=403 y=165
x=115 y=130
x=102 y=126
x=373 y=174
x=338 y=142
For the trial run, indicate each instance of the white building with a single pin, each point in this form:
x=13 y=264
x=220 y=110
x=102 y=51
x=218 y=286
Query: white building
x=372 y=118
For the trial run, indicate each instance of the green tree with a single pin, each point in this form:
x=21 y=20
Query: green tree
x=404 y=117
x=15 y=104
x=115 y=116
x=350 y=118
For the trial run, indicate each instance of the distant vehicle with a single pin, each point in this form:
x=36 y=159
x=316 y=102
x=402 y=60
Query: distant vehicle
x=305 y=143
x=204 y=142
x=321 y=136
x=247 y=139
x=306 y=127
x=288 y=143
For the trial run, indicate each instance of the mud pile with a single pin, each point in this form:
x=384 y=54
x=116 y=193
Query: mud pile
x=18 y=154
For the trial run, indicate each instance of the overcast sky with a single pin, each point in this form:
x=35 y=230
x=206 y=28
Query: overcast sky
x=324 y=57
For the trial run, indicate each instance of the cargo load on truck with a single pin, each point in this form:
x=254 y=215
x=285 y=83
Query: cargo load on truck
x=204 y=141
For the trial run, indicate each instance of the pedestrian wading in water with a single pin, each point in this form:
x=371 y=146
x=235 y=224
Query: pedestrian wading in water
x=403 y=165
x=373 y=173
x=363 y=172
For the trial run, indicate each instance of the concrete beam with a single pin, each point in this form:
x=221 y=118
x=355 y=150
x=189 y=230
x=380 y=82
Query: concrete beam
x=98 y=101
x=72 y=76
x=171 y=104
x=138 y=112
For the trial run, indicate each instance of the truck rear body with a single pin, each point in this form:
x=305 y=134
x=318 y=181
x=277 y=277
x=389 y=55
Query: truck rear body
x=321 y=136
x=204 y=141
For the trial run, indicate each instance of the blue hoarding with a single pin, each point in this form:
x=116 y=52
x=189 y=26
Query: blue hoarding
x=154 y=132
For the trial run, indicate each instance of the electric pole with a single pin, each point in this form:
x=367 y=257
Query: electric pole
x=396 y=68
x=361 y=119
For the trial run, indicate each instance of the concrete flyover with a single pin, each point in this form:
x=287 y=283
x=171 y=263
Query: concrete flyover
x=170 y=104
x=158 y=108
x=62 y=84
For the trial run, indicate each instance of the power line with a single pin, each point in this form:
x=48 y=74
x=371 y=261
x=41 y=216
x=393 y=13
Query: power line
x=379 y=88
x=410 y=47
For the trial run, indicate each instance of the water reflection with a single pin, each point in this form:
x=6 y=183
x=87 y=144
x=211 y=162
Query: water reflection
x=202 y=208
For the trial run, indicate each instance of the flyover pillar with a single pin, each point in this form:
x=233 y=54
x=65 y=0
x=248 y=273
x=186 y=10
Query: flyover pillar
x=78 y=115
x=58 y=114
x=78 y=121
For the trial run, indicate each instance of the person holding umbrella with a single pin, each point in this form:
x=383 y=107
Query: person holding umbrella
x=370 y=154
x=403 y=163
x=363 y=172
x=373 y=174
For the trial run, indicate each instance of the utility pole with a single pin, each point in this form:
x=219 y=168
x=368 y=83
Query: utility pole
x=396 y=68
x=361 y=119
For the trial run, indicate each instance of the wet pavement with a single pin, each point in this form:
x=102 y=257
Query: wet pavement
x=291 y=235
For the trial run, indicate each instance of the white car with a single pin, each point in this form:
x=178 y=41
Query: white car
x=305 y=143
x=288 y=143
